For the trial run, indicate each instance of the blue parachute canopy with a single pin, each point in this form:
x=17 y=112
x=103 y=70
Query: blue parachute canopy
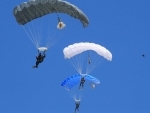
x=92 y=80
x=70 y=82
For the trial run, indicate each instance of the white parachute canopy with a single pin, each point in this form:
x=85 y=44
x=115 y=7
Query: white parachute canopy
x=76 y=49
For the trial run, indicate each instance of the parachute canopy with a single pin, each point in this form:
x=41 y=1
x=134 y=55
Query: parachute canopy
x=42 y=49
x=85 y=56
x=33 y=9
x=77 y=48
x=70 y=82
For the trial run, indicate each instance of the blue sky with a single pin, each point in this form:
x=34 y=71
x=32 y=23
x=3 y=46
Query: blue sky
x=122 y=26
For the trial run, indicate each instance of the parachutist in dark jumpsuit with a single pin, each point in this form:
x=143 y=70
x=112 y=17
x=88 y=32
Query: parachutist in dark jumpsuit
x=143 y=55
x=77 y=106
x=82 y=83
x=39 y=59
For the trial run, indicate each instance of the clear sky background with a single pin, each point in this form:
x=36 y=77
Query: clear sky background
x=122 y=26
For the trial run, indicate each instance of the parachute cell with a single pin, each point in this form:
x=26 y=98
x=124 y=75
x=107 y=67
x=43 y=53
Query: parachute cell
x=33 y=9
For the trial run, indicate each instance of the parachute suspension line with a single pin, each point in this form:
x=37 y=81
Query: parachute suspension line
x=78 y=95
x=35 y=36
x=97 y=60
x=75 y=94
x=48 y=40
x=72 y=94
x=31 y=37
x=49 y=35
x=75 y=65
x=40 y=36
x=59 y=36
x=75 y=62
x=94 y=60
x=82 y=59
x=78 y=62
x=56 y=41
x=88 y=62
x=91 y=66
x=51 y=40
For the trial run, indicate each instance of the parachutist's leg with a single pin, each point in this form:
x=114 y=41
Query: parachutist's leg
x=76 y=110
x=36 y=66
x=80 y=85
x=37 y=63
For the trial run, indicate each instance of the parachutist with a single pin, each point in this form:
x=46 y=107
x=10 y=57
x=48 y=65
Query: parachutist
x=77 y=103
x=82 y=83
x=60 y=25
x=143 y=55
x=39 y=58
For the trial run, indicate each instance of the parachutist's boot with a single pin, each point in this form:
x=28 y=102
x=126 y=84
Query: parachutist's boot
x=35 y=66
